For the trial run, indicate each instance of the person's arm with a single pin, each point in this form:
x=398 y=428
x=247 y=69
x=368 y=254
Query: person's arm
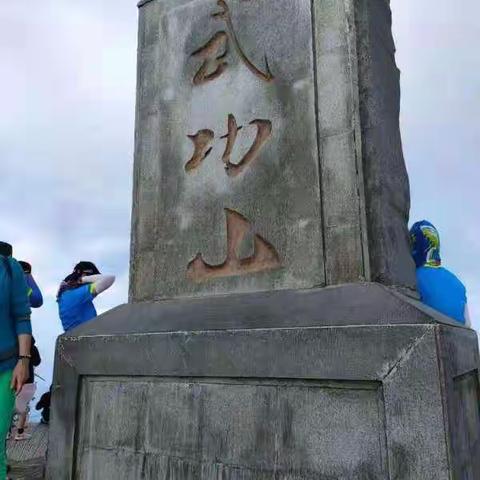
x=34 y=293
x=99 y=283
x=20 y=311
x=20 y=372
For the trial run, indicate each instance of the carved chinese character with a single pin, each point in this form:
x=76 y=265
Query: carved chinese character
x=264 y=132
x=213 y=54
x=226 y=16
x=201 y=141
x=215 y=51
x=264 y=257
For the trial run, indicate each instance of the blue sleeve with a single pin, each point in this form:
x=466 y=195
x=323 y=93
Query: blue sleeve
x=19 y=303
x=34 y=293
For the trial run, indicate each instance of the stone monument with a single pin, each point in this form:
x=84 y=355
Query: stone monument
x=273 y=331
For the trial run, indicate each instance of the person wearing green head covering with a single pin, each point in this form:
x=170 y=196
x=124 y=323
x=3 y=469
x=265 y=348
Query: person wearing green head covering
x=438 y=287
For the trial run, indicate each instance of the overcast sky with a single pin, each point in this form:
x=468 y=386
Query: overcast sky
x=67 y=95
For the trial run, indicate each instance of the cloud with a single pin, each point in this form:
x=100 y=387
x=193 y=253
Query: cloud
x=441 y=135
x=67 y=86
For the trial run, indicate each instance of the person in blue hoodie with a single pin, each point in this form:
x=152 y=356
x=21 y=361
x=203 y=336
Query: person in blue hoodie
x=15 y=340
x=34 y=293
x=438 y=287
x=77 y=291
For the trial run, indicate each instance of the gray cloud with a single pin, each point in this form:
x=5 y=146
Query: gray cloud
x=66 y=143
x=440 y=128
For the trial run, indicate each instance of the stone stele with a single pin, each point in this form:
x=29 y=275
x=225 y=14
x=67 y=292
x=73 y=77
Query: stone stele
x=273 y=331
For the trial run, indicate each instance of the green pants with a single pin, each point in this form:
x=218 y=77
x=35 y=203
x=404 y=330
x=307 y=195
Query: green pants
x=7 y=401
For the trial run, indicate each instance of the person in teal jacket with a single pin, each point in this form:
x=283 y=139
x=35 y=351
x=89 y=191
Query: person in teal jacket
x=438 y=287
x=15 y=340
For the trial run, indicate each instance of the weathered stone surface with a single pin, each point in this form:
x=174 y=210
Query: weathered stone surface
x=463 y=406
x=177 y=213
x=324 y=92
x=386 y=180
x=211 y=428
x=346 y=305
x=249 y=403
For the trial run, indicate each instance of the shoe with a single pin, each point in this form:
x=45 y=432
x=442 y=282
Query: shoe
x=22 y=436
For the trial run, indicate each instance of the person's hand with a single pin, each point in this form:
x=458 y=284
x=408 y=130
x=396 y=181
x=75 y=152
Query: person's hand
x=20 y=376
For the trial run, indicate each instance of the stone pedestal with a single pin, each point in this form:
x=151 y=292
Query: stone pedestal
x=350 y=382
x=273 y=331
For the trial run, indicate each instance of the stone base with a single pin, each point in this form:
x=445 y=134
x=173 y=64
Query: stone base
x=352 y=382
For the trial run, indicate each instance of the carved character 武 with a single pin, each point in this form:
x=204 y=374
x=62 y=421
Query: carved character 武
x=215 y=51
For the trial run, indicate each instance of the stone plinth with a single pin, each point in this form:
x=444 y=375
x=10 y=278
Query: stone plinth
x=352 y=382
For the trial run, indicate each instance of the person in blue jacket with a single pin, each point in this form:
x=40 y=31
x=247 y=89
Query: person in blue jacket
x=34 y=293
x=438 y=287
x=76 y=294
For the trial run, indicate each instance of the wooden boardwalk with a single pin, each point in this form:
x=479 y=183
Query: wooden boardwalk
x=27 y=458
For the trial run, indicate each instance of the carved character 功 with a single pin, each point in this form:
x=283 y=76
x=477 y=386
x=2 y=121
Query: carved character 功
x=264 y=132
